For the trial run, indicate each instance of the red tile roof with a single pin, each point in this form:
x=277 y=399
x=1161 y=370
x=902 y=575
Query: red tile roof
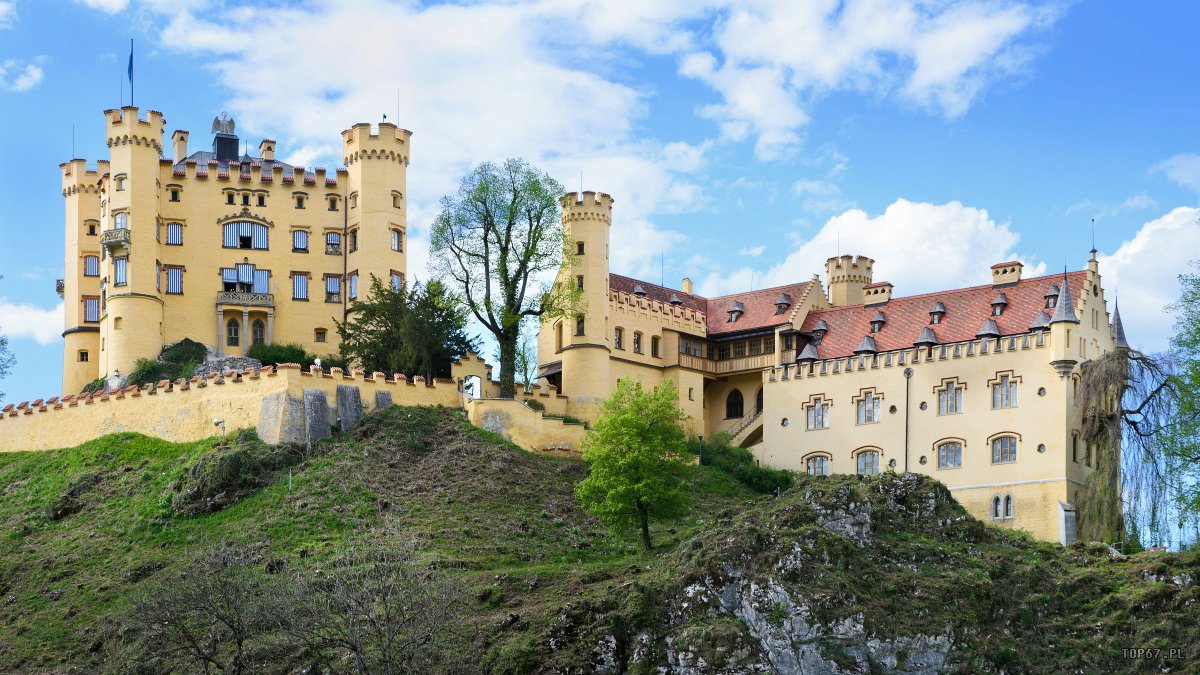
x=966 y=311
x=760 y=304
x=655 y=292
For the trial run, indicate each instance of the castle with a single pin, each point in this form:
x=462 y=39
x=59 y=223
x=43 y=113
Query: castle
x=974 y=386
x=221 y=246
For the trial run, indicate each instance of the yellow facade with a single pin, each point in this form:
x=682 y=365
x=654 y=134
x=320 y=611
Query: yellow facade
x=164 y=229
x=751 y=375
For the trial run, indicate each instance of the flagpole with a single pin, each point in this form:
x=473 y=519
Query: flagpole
x=130 y=71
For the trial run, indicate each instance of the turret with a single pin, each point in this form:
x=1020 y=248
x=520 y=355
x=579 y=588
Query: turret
x=847 y=275
x=375 y=197
x=81 y=273
x=179 y=141
x=587 y=340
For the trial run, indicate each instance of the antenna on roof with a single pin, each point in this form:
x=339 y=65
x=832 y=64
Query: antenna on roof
x=72 y=141
x=839 y=242
x=1093 y=235
x=662 y=267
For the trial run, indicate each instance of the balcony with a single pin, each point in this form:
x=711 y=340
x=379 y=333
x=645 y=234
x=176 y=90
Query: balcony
x=246 y=299
x=115 y=238
x=757 y=362
x=60 y=287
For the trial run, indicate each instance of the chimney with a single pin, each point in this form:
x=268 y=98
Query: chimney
x=1006 y=273
x=877 y=293
x=179 y=140
x=266 y=149
x=686 y=287
x=847 y=275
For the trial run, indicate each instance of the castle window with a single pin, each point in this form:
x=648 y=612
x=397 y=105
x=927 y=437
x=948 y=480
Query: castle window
x=333 y=204
x=689 y=346
x=867 y=463
x=1075 y=446
x=83 y=356
x=91 y=229
x=174 y=195
x=579 y=248
x=397 y=200
x=299 y=241
x=319 y=335
x=950 y=398
x=120 y=267
x=734 y=405
x=246 y=235
x=789 y=342
x=245 y=200
x=91 y=266
x=739 y=350
x=231 y=333
x=654 y=346
x=579 y=282
x=353 y=284
x=174 y=234
x=723 y=352
x=996 y=512
x=333 y=288
x=119 y=183
x=579 y=325
x=333 y=243
x=120 y=220
x=175 y=280
x=769 y=345
x=755 y=347
x=1009 y=507
x=637 y=343
x=258 y=332
x=758 y=402
x=229 y=198
x=352 y=241
x=935 y=318
x=397 y=240
x=817 y=465
x=354 y=201
x=397 y=279
x=618 y=336
x=949 y=455
x=299 y=201
x=91 y=308
x=299 y=285
x=867 y=408
x=997 y=310
x=818 y=414
x=262 y=200
x=1004 y=392
x=1004 y=450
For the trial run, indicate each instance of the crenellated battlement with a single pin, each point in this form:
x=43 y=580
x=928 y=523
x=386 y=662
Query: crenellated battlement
x=669 y=313
x=588 y=205
x=123 y=127
x=78 y=179
x=386 y=142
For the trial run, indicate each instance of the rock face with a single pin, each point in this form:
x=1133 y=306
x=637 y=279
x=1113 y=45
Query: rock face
x=349 y=406
x=214 y=365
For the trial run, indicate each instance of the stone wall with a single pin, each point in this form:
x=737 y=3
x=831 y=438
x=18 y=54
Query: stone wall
x=526 y=427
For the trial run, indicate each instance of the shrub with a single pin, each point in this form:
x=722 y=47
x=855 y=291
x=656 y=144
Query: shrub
x=535 y=404
x=95 y=385
x=186 y=351
x=276 y=354
x=146 y=371
x=739 y=463
x=232 y=470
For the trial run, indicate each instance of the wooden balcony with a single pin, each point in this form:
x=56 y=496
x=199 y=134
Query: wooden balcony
x=744 y=363
x=246 y=299
x=116 y=238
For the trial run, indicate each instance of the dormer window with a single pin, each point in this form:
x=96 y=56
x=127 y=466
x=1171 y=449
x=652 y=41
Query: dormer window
x=675 y=299
x=736 y=311
x=877 y=321
x=782 y=303
x=819 y=330
x=999 y=304
x=639 y=291
x=936 y=314
x=1052 y=296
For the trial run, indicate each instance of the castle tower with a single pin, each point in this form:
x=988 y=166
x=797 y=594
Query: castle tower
x=847 y=275
x=375 y=196
x=587 y=219
x=81 y=278
x=131 y=313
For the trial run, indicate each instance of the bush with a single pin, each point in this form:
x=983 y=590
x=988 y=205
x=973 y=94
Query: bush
x=535 y=404
x=184 y=352
x=739 y=463
x=276 y=354
x=231 y=471
x=146 y=371
x=95 y=385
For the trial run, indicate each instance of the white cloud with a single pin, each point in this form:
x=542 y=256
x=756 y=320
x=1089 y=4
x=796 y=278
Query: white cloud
x=19 y=76
x=1101 y=210
x=752 y=252
x=43 y=326
x=919 y=247
x=1144 y=272
x=1183 y=169
x=110 y=6
x=8 y=14
x=821 y=196
x=776 y=55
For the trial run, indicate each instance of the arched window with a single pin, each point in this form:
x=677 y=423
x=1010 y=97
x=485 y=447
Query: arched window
x=996 y=513
x=637 y=342
x=817 y=465
x=258 y=332
x=734 y=405
x=949 y=455
x=231 y=333
x=558 y=336
x=1004 y=449
x=866 y=409
x=868 y=462
x=758 y=401
x=1008 y=506
x=121 y=220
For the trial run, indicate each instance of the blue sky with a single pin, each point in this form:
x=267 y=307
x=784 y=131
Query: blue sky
x=744 y=142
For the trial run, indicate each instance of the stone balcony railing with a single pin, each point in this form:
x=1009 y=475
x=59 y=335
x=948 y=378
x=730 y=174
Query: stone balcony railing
x=246 y=299
x=115 y=238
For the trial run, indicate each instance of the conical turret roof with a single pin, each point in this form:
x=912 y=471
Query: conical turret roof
x=1118 y=329
x=927 y=337
x=1064 y=309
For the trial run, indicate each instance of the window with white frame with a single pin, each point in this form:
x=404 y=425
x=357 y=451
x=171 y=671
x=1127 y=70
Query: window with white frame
x=867 y=408
x=637 y=342
x=120 y=268
x=91 y=308
x=397 y=279
x=818 y=414
x=175 y=280
x=91 y=265
x=120 y=220
x=299 y=241
x=619 y=338
x=867 y=463
x=949 y=454
x=950 y=398
x=333 y=288
x=174 y=234
x=1004 y=392
x=299 y=286
x=397 y=240
x=1004 y=450
x=352 y=283
x=817 y=465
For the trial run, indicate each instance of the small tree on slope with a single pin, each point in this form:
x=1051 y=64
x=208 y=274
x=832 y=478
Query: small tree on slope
x=637 y=454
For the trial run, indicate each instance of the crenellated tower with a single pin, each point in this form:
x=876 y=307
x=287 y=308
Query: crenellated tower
x=80 y=289
x=131 y=313
x=847 y=275
x=377 y=165
x=586 y=341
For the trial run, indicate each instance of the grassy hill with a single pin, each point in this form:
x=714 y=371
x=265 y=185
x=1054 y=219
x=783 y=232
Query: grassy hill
x=837 y=574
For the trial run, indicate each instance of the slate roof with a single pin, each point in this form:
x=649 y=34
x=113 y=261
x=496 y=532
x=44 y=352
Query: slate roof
x=966 y=310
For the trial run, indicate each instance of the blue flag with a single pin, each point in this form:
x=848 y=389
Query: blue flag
x=131 y=62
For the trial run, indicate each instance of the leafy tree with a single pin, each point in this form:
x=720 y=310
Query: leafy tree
x=494 y=239
x=525 y=364
x=7 y=360
x=637 y=454
x=416 y=331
